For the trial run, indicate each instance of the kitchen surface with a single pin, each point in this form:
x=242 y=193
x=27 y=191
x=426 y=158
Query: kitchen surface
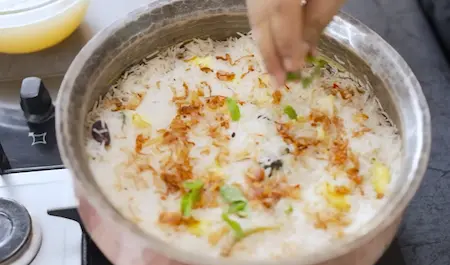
x=423 y=239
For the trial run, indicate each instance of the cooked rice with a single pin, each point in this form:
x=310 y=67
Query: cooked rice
x=340 y=156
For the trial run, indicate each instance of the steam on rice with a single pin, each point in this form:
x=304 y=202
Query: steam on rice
x=197 y=147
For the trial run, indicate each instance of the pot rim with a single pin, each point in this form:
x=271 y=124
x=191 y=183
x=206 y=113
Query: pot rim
x=393 y=209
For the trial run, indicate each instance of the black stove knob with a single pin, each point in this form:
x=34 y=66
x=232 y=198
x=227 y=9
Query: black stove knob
x=35 y=101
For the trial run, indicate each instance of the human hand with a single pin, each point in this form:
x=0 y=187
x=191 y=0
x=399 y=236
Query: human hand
x=286 y=31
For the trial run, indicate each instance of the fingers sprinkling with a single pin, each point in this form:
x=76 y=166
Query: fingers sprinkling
x=264 y=39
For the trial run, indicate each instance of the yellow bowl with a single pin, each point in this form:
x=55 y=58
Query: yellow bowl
x=34 y=25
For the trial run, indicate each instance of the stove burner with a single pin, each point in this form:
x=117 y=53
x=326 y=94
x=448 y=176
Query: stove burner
x=20 y=238
x=15 y=227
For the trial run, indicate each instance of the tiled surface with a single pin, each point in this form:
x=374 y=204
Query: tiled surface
x=425 y=234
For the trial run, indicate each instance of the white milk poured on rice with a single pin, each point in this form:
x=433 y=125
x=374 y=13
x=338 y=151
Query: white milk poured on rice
x=201 y=151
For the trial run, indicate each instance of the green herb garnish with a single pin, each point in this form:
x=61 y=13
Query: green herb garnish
x=290 y=111
x=190 y=198
x=310 y=59
x=237 y=200
x=193 y=185
x=238 y=208
x=231 y=194
x=307 y=80
x=291 y=76
x=233 y=107
x=321 y=63
x=238 y=232
x=289 y=210
x=186 y=205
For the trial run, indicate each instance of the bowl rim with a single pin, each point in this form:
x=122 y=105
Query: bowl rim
x=37 y=14
x=394 y=209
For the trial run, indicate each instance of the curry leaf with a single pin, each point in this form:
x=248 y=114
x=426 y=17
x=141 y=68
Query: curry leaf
x=233 y=108
x=290 y=111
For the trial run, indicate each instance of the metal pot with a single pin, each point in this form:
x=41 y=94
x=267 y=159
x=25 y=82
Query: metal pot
x=166 y=22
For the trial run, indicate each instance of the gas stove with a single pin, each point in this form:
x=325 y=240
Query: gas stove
x=39 y=222
x=27 y=125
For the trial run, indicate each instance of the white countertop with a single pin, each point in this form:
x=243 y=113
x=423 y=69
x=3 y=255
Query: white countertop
x=55 y=61
x=40 y=191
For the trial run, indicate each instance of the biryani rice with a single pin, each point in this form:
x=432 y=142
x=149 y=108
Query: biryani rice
x=305 y=183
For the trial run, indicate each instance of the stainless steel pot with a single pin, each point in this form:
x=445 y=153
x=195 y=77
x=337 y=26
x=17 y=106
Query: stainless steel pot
x=163 y=23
